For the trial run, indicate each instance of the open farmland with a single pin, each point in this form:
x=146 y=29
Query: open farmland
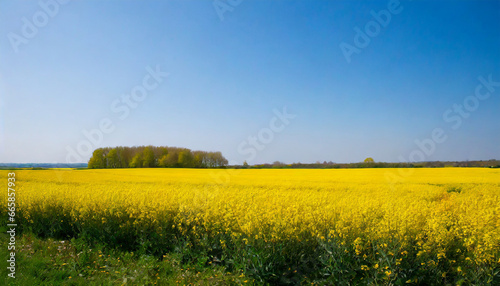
x=430 y=226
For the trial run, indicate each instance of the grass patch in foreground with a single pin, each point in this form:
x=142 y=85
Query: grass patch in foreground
x=57 y=262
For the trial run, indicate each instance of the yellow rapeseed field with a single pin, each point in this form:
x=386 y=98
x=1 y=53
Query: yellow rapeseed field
x=446 y=218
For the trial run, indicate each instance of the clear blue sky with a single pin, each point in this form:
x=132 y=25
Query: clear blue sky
x=226 y=77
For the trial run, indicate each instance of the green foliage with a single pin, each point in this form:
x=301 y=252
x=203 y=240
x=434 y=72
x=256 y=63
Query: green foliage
x=162 y=162
x=172 y=159
x=137 y=161
x=112 y=159
x=369 y=160
x=79 y=262
x=185 y=159
x=197 y=160
x=293 y=261
x=98 y=160
x=150 y=157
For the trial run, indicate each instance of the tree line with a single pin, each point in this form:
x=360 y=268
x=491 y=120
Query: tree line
x=372 y=164
x=152 y=156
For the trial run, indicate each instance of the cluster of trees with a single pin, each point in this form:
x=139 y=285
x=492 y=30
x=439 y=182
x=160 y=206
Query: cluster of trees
x=151 y=156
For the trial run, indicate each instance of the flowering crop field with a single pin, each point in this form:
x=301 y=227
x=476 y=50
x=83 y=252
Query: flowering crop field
x=282 y=226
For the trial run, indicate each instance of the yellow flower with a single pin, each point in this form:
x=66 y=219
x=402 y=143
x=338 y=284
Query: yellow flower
x=280 y=206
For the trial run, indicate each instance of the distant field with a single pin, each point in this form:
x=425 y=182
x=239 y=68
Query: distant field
x=361 y=226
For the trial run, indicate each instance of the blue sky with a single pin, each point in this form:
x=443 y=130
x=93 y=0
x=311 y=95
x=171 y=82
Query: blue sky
x=225 y=78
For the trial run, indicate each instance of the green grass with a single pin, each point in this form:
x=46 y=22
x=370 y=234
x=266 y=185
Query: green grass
x=62 y=262
x=49 y=261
